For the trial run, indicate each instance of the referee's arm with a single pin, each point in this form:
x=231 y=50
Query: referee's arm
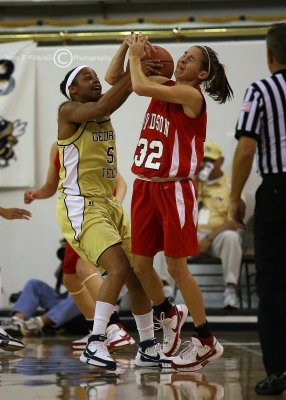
x=241 y=167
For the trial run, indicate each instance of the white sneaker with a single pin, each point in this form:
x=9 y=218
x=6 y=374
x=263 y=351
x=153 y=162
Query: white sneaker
x=32 y=327
x=13 y=326
x=150 y=354
x=172 y=328
x=231 y=300
x=80 y=344
x=117 y=337
x=197 y=354
x=9 y=343
x=97 y=354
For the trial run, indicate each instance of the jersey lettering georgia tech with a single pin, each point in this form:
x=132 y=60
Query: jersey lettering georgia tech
x=88 y=161
x=170 y=143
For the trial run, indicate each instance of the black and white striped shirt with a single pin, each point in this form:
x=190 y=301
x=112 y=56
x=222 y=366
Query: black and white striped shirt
x=263 y=117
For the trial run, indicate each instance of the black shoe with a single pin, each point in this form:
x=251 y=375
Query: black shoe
x=273 y=384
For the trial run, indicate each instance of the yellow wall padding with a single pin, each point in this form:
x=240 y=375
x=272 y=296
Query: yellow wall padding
x=18 y=24
x=265 y=17
x=166 y=20
x=115 y=21
x=218 y=19
x=63 y=22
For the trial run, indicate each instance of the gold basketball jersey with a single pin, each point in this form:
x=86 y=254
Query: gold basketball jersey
x=88 y=160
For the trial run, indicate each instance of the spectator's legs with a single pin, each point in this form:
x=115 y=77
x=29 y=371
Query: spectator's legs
x=35 y=293
x=227 y=246
x=64 y=311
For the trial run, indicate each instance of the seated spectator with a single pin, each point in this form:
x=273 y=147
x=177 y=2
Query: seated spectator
x=59 y=309
x=218 y=235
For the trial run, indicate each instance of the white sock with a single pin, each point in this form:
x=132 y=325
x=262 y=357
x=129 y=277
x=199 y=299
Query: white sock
x=145 y=326
x=102 y=315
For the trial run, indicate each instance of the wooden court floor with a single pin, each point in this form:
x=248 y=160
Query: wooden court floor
x=47 y=369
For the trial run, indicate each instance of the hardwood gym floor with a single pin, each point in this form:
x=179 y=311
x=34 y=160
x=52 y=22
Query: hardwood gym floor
x=47 y=369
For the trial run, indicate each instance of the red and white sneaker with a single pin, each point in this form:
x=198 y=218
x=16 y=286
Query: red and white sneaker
x=197 y=354
x=81 y=343
x=117 y=337
x=172 y=325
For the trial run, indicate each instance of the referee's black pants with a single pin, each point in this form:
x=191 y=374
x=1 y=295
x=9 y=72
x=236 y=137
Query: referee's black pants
x=270 y=254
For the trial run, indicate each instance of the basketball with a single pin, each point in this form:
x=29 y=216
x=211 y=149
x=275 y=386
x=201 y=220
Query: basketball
x=165 y=58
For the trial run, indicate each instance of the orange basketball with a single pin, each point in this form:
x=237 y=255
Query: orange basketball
x=165 y=58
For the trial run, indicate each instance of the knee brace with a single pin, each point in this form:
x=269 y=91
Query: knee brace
x=86 y=279
x=78 y=292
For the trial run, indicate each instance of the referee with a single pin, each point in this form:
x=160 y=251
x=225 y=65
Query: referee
x=261 y=128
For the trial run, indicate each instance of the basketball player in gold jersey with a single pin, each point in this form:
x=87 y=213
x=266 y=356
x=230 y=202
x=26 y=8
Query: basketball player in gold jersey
x=91 y=219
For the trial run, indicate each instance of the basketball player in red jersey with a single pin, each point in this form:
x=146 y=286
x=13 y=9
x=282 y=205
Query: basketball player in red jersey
x=164 y=207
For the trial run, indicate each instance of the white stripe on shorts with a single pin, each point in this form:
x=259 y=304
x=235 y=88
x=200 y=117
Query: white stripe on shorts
x=75 y=209
x=180 y=203
x=195 y=207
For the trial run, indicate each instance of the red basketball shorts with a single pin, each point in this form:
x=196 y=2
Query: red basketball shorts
x=70 y=260
x=164 y=217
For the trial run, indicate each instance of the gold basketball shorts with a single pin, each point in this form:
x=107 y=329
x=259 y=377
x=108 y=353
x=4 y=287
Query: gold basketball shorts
x=92 y=225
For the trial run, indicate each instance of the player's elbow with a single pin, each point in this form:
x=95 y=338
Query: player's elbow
x=110 y=79
x=139 y=89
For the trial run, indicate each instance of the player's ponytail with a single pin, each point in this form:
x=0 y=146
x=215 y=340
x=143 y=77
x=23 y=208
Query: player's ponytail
x=216 y=83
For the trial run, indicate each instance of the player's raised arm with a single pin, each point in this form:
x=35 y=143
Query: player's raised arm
x=184 y=93
x=116 y=68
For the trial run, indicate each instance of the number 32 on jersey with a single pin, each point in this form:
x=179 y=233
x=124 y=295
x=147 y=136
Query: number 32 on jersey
x=150 y=162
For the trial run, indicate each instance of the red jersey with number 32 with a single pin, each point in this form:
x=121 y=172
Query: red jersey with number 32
x=171 y=144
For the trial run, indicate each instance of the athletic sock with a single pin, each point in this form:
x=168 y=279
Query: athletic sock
x=164 y=307
x=145 y=326
x=102 y=315
x=203 y=331
x=114 y=319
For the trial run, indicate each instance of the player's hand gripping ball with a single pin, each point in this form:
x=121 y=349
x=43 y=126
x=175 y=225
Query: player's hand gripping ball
x=165 y=59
